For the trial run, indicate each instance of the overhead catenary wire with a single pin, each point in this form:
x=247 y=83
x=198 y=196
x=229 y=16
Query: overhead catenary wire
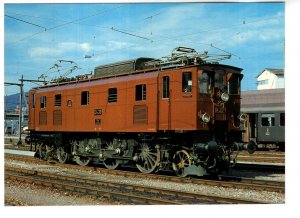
x=24 y=21
x=70 y=22
x=245 y=22
x=127 y=33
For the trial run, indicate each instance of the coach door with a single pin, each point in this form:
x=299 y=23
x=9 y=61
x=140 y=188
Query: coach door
x=164 y=99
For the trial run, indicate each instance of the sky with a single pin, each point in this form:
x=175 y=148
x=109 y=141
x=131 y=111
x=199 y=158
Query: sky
x=36 y=36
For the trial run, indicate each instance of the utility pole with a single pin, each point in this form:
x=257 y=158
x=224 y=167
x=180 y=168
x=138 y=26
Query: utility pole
x=21 y=111
x=21 y=84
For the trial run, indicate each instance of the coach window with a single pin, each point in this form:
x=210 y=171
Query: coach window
x=112 y=95
x=43 y=101
x=165 y=87
x=186 y=82
x=140 y=92
x=268 y=119
x=85 y=98
x=282 y=119
x=57 y=101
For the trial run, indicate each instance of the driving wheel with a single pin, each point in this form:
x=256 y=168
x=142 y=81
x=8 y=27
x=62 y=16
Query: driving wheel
x=62 y=154
x=181 y=160
x=148 y=158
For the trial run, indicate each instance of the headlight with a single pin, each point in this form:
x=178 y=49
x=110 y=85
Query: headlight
x=225 y=97
x=205 y=118
x=242 y=118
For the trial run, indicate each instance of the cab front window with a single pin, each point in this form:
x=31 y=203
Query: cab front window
x=234 y=84
x=204 y=82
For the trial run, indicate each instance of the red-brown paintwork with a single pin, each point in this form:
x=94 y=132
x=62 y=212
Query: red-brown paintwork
x=179 y=112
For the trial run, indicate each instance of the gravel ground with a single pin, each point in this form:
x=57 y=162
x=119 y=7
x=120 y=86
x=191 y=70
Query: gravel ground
x=61 y=199
x=29 y=194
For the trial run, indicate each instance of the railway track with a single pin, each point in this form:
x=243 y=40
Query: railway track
x=223 y=181
x=129 y=194
x=261 y=159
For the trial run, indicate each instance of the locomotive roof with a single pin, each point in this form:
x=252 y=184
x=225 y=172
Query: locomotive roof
x=214 y=66
x=122 y=67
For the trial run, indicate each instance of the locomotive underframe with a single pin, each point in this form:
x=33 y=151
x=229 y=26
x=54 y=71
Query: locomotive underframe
x=187 y=153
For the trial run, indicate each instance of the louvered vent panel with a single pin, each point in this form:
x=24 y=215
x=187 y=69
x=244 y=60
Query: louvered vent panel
x=57 y=117
x=140 y=115
x=43 y=118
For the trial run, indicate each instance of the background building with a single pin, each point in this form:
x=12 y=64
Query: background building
x=270 y=79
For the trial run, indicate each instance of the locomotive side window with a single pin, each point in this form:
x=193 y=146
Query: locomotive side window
x=43 y=101
x=282 y=119
x=268 y=119
x=112 y=95
x=57 y=101
x=166 y=87
x=85 y=98
x=204 y=82
x=140 y=92
x=33 y=100
x=186 y=81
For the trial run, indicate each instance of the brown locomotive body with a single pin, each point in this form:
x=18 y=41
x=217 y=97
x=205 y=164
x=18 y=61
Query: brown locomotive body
x=183 y=115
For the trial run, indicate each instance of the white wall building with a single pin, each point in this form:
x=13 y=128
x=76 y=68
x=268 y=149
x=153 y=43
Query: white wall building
x=270 y=79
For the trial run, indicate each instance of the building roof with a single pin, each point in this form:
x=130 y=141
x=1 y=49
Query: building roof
x=263 y=100
x=272 y=70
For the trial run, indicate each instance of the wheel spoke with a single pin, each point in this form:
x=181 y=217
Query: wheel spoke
x=148 y=158
x=181 y=160
x=111 y=163
x=82 y=161
x=62 y=155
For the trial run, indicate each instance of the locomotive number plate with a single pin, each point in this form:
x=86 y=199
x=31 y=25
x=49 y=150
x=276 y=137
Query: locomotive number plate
x=98 y=112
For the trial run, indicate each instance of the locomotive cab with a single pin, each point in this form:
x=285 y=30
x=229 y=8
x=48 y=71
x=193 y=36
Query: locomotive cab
x=219 y=97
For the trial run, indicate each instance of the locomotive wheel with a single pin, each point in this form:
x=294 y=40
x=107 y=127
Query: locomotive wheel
x=62 y=155
x=111 y=163
x=42 y=151
x=181 y=160
x=148 y=158
x=82 y=161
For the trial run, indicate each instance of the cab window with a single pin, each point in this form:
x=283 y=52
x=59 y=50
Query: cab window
x=204 y=81
x=43 y=101
x=187 y=82
x=234 y=85
x=33 y=100
x=140 y=92
x=85 y=98
x=166 y=87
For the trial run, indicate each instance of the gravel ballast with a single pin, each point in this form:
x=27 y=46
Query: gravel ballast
x=47 y=197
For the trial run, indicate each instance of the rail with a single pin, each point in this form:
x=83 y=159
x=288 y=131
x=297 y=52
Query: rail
x=123 y=192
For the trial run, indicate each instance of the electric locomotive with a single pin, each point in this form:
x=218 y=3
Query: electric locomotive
x=181 y=113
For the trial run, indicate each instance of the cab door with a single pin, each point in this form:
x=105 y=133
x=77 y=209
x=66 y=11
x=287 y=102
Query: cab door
x=164 y=99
